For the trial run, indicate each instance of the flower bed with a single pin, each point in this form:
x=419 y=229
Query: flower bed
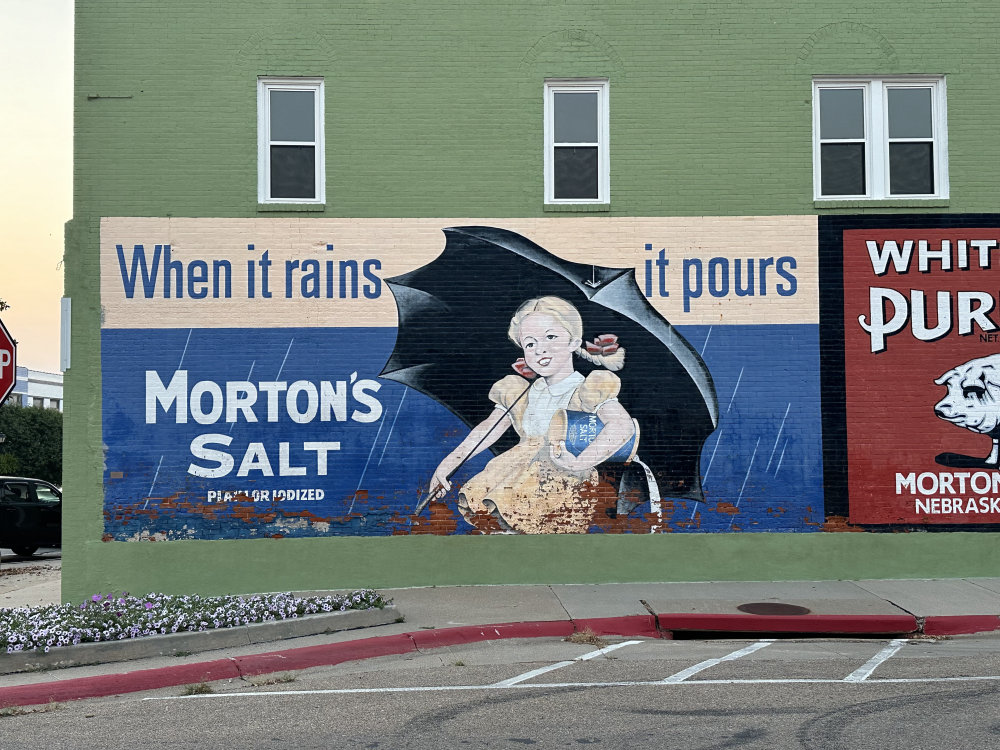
x=117 y=617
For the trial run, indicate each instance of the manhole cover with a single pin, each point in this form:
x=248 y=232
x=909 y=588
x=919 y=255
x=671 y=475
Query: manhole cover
x=772 y=608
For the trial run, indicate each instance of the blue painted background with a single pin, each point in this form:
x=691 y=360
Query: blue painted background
x=762 y=468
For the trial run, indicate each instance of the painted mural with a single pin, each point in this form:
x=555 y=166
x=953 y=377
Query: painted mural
x=565 y=402
x=921 y=383
x=349 y=377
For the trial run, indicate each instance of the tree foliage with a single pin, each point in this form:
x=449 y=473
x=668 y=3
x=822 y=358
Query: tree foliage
x=33 y=445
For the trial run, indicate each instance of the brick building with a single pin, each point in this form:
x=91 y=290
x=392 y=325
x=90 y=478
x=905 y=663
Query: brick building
x=304 y=234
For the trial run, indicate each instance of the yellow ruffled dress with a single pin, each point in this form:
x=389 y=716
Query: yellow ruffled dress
x=521 y=487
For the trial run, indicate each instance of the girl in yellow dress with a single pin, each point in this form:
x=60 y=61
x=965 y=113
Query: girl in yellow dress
x=538 y=486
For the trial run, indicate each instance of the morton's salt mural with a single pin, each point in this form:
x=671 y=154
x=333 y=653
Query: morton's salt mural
x=363 y=377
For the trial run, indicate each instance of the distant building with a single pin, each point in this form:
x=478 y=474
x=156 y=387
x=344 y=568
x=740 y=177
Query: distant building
x=37 y=388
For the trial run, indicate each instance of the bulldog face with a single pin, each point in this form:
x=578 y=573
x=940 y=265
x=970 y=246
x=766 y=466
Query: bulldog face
x=973 y=399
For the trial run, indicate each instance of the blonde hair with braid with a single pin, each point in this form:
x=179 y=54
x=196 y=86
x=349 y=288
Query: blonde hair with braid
x=569 y=318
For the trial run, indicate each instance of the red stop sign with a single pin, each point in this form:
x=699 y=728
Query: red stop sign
x=8 y=362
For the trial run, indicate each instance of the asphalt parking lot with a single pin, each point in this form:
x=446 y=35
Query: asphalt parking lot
x=615 y=692
x=610 y=662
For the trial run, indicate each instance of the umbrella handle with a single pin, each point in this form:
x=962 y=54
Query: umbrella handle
x=438 y=493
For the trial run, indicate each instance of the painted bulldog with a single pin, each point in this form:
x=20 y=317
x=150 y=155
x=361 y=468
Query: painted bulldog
x=972 y=402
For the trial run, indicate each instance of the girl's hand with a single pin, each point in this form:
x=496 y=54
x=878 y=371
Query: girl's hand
x=437 y=489
x=439 y=485
x=564 y=459
x=482 y=436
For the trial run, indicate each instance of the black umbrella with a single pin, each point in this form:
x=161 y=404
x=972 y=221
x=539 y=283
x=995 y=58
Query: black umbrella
x=452 y=342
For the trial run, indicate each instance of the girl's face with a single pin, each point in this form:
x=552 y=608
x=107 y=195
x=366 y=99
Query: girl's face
x=548 y=347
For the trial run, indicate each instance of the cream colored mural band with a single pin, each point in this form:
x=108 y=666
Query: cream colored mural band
x=330 y=272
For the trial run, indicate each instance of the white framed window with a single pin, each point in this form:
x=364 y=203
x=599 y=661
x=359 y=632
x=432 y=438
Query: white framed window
x=880 y=138
x=290 y=152
x=576 y=141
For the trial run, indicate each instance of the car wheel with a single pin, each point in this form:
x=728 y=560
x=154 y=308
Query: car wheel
x=23 y=551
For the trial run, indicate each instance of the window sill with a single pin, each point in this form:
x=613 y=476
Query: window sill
x=296 y=207
x=883 y=203
x=577 y=208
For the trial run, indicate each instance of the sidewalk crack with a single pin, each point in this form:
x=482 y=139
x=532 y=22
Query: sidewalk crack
x=239 y=669
x=565 y=611
x=656 y=620
x=978 y=585
x=914 y=615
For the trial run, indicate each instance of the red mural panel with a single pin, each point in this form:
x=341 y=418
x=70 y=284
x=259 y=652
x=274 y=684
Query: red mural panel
x=922 y=375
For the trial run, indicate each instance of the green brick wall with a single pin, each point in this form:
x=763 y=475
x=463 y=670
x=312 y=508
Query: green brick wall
x=435 y=109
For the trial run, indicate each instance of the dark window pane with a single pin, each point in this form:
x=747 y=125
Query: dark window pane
x=841 y=113
x=910 y=113
x=576 y=172
x=842 y=169
x=575 y=117
x=293 y=172
x=911 y=168
x=292 y=116
x=46 y=494
x=16 y=492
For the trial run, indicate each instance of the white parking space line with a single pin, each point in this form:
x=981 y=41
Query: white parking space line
x=702 y=666
x=559 y=665
x=558 y=685
x=863 y=672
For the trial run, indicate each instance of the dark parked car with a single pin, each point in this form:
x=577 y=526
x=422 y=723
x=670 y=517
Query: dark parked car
x=30 y=515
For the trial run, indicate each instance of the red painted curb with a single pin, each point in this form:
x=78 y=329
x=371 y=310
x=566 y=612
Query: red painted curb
x=634 y=625
x=473 y=633
x=324 y=655
x=366 y=648
x=872 y=624
x=960 y=624
x=115 y=684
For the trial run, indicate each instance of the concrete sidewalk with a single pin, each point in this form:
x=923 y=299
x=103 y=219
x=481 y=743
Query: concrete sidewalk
x=442 y=616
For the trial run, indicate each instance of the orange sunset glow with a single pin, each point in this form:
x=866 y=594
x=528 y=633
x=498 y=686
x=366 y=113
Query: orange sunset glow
x=36 y=140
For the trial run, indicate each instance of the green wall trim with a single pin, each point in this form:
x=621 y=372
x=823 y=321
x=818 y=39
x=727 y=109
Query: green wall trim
x=262 y=565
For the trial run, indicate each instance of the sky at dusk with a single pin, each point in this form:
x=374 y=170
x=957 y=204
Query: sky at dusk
x=36 y=142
